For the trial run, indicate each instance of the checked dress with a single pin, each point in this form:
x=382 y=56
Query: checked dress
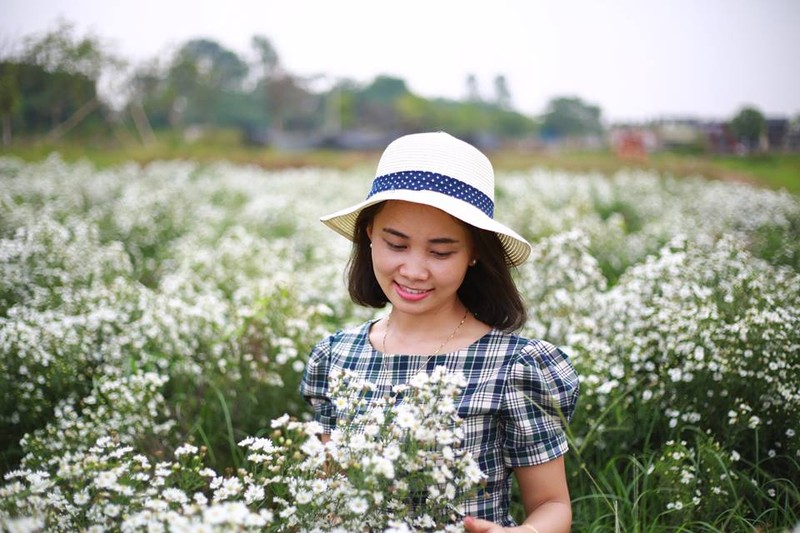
x=519 y=395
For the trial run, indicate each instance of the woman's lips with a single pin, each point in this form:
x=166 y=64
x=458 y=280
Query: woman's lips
x=411 y=294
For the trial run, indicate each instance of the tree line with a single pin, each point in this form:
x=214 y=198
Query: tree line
x=57 y=83
x=51 y=86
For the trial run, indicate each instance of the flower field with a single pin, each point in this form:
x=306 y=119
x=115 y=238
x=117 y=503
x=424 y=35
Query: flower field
x=154 y=324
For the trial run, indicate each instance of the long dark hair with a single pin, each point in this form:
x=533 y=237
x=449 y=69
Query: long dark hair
x=488 y=290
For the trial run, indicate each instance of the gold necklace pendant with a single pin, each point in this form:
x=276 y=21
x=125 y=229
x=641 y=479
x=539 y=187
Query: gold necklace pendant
x=439 y=349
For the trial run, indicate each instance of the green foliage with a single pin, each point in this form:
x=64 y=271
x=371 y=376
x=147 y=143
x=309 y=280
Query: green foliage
x=571 y=116
x=775 y=170
x=384 y=89
x=10 y=92
x=38 y=99
x=465 y=119
x=674 y=354
x=50 y=85
x=60 y=49
x=748 y=125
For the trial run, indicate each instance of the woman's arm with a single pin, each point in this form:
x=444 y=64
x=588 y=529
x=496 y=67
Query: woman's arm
x=545 y=498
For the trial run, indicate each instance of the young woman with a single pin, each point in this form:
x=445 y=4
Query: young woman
x=425 y=241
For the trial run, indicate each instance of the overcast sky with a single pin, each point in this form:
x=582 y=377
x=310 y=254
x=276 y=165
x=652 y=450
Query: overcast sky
x=636 y=59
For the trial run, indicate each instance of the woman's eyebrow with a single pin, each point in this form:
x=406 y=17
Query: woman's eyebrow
x=395 y=233
x=437 y=240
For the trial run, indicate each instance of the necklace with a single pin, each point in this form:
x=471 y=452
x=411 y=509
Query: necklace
x=439 y=349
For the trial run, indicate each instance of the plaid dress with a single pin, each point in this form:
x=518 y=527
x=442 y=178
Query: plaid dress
x=519 y=395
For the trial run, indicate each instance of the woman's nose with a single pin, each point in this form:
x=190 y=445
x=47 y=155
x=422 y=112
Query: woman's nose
x=414 y=267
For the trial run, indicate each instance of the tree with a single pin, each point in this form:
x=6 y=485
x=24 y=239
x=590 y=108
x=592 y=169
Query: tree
x=473 y=91
x=570 y=116
x=268 y=61
x=10 y=97
x=384 y=89
x=62 y=50
x=290 y=105
x=502 y=96
x=73 y=66
x=748 y=126
x=200 y=72
x=377 y=103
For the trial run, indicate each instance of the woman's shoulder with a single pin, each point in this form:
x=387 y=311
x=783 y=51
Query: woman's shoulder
x=520 y=350
x=347 y=336
x=544 y=372
x=519 y=346
x=542 y=353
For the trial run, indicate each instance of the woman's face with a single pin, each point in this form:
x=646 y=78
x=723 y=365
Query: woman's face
x=420 y=256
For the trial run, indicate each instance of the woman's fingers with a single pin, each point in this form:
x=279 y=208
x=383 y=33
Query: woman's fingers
x=476 y=525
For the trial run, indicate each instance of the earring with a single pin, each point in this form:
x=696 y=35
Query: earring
x=473 y=262
x=370 y=246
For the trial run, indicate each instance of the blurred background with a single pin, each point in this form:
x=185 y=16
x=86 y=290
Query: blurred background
x=711 y=86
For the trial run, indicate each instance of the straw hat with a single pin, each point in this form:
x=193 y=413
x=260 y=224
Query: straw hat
x=442 y=171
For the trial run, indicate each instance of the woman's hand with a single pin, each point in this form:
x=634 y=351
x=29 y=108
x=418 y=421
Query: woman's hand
x=476 y=525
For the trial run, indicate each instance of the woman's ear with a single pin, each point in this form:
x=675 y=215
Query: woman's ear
x=369 y=232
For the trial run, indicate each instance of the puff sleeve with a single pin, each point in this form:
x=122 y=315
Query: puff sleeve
x=539 y=399
x=314 y=385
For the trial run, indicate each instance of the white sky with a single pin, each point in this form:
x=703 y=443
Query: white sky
x=636 y=59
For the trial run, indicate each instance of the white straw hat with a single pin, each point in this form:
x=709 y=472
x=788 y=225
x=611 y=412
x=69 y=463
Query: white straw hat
x=441 y=171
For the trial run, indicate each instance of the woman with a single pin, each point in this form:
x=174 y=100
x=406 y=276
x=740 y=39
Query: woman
x=425 y=242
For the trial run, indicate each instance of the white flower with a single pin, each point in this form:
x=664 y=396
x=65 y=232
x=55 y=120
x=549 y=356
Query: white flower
x=229 y=488
x=318 y=486
x=81 y=498
x=174 y=495
x=381 y=466
x=111 y=510
x=215 y=514
x=358 y=505
x=398 y=527
x=392 y=452
x=407 y=417
x=340 y=403
x=287 y=511
x=259 y=444
x=280 y=421
x=186 y=449
x=106 y=480
x=303 y=497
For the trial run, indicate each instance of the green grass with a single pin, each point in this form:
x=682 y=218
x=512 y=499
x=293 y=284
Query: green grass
x=774 y=170
x=223 y=145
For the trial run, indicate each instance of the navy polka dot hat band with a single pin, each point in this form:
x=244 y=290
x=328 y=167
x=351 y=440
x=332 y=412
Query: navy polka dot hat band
x=420 y=180
x=442 y=171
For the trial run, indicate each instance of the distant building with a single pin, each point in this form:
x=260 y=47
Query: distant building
x=776 y=134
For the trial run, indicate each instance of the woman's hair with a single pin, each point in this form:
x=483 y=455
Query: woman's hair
x=488 y=290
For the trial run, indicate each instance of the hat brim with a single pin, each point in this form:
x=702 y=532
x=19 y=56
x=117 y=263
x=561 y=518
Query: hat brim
x=516 y=247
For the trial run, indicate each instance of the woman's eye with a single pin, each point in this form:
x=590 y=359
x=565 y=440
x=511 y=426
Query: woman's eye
x=393 y=246
x=442 y=255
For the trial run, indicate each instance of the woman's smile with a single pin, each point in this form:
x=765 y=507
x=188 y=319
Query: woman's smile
x=409 y=293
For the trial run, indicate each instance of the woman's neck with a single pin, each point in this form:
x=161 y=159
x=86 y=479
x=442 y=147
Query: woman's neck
x=426 y=334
